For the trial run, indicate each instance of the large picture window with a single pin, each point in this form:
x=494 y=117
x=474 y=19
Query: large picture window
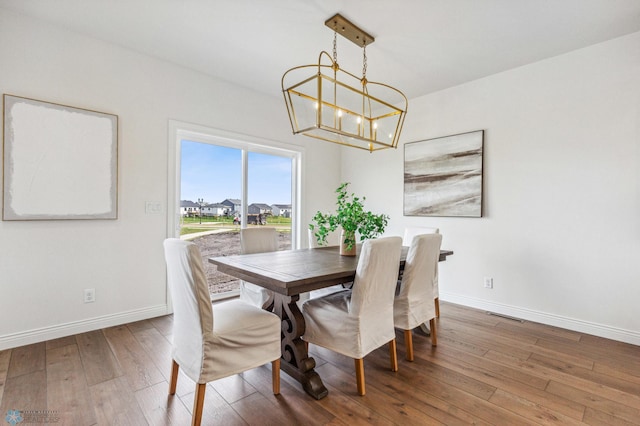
x=223 y=184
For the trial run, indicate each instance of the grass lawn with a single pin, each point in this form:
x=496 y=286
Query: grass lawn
x=192 y=225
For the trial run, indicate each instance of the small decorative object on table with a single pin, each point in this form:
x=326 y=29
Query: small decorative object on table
x=351 y=217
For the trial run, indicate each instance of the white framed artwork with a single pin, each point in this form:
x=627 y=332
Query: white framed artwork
x=59 y=162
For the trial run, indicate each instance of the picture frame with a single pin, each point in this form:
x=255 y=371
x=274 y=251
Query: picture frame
x=59 y=162
x=443 y=176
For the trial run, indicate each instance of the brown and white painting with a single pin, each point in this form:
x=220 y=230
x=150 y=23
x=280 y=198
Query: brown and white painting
x=443 y=176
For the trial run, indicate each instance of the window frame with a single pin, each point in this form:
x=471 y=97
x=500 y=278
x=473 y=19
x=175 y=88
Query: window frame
x=179 y=131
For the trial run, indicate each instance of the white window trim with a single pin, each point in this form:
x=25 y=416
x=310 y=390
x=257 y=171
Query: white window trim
x=181 y=130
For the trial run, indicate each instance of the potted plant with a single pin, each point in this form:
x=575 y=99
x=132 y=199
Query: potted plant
x=351 y=217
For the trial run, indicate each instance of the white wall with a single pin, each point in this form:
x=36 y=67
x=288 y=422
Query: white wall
x=45 y=265
x=560 y=233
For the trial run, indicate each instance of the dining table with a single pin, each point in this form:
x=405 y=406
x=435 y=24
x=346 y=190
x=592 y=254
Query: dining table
x=288 y=274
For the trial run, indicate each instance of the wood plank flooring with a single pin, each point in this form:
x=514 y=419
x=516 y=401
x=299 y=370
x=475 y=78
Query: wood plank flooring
x=486 y=370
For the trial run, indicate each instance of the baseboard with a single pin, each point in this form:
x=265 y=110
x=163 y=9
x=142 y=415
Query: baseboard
x=68 y=329
x=619 y=334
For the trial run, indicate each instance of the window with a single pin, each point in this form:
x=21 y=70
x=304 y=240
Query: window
x=229 y=182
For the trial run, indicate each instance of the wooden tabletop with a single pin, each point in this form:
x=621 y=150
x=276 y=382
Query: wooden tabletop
x=292 y=272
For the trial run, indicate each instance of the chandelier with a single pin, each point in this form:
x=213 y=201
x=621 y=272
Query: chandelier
x=331 y=104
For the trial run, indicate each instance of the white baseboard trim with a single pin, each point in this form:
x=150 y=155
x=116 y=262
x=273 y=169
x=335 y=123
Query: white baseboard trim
x=68 y=329
x=619 y=334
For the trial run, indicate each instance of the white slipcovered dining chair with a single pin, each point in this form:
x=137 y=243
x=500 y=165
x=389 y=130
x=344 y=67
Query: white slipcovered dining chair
x=357 y=321
x=257 y=240
x=207 y=347
x=411 y=232
x=413 y=305
x=333 y=239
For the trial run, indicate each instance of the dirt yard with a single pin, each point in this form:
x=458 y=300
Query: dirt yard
x=226 y=244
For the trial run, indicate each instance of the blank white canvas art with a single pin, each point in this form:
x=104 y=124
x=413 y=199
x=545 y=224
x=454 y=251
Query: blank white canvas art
x=60 y=162
x=443 y=176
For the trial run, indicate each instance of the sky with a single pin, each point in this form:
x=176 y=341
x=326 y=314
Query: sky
x=214 y=173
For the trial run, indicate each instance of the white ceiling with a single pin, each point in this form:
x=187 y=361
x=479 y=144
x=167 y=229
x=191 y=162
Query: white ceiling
x=421 y=45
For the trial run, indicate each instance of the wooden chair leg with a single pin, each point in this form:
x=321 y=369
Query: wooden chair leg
x=436 y=302
x=360 y=375
x=174 y=377
x=408 y=339
x=393 y=354
x=275 y=376
x=434 y=338
x=198 y=404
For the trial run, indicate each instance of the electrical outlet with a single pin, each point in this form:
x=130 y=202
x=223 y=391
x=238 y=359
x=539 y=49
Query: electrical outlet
x=89 y=295
x=488 y=282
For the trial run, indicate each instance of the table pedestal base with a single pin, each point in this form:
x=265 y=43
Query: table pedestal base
x=296 y=360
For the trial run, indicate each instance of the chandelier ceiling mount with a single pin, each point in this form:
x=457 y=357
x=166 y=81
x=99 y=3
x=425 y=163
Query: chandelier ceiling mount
x=328 y=103
x=348 y=30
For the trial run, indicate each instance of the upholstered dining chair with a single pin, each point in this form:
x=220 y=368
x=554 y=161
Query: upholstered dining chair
x=411 y=232
x=357 y=321
x=207 y=347
x=413 y=305
x=257 y=240
x=333 y=239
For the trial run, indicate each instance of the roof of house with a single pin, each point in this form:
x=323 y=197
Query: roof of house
x=282 y=206
x=188 y=203
x=233 y=200
x=261 y=206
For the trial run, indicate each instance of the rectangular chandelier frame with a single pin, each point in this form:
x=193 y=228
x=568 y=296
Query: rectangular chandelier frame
x=328 y=103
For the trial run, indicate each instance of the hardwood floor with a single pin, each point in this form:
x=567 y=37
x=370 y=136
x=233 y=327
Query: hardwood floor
x=485 y=370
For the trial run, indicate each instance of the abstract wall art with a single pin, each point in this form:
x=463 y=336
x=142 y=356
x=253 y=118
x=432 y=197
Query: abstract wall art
x=59 y=162
x=443 y=176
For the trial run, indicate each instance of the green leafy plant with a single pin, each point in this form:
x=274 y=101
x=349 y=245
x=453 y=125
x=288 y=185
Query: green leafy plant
x=351 y=217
